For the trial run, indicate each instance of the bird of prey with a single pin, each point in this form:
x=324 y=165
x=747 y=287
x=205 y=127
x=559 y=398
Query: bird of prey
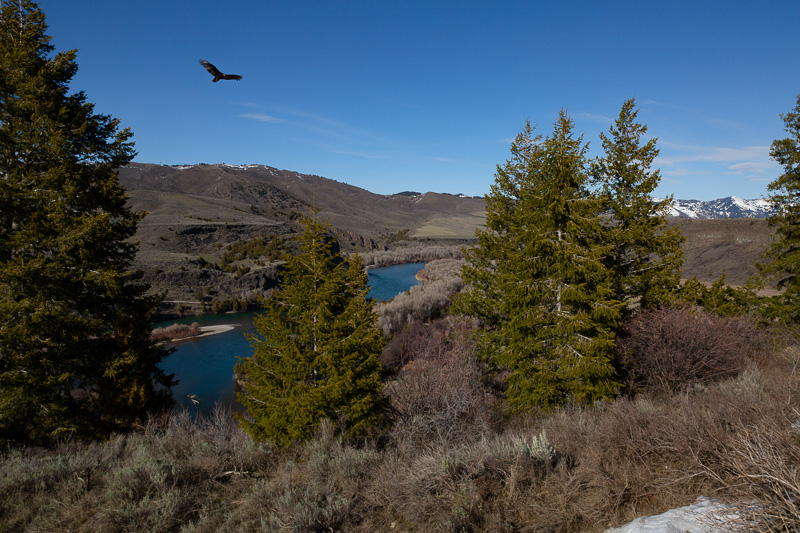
x=214 y=71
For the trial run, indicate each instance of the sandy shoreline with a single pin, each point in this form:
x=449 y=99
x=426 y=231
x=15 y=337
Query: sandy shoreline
x=208 y=330
x=213 y=330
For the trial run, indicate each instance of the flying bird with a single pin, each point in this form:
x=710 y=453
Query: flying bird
x=214 y=71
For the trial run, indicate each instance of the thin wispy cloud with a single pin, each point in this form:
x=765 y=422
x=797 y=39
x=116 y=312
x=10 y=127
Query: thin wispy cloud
x=721 y=122
x=744 y=160
x=260 y=117
x=706 y=165
x=753 y=167
x=675 y=172
x=336 y=129
x=363 y=155
x=726 y=155
x=333 y=149
x=598 y=118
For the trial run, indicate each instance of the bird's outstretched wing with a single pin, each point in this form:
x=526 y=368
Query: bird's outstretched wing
x=214 y=71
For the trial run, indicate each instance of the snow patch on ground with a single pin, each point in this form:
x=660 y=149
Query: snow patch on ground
x=706 y=515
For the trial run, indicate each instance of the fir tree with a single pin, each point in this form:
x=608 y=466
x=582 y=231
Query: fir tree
x=536 y=278
x=784 y=252
x=75 y=351
x=644 y=257
x=316 y=351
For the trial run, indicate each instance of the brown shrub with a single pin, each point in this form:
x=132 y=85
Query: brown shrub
x=175 y=331
x=573 y=470
x=651 y=453
x=438 y=397
x=765 y=463
x=416 y=338
x=672 y=349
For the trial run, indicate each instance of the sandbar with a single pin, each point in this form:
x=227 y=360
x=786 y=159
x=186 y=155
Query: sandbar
x=207 y=330
x=213 y=330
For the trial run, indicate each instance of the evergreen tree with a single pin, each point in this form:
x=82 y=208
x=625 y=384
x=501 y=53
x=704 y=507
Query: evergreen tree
x=75 y=350
x=536 y=278
x=784 y=252
x=316 y=351
x=644 y=257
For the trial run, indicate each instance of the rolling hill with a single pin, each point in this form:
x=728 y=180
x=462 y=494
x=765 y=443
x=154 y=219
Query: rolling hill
x=196 y=212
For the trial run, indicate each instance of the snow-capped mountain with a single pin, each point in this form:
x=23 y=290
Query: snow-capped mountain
x=730 y=207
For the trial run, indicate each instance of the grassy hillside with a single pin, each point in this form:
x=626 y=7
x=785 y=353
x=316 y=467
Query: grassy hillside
x=731 y=246
x=196 y=212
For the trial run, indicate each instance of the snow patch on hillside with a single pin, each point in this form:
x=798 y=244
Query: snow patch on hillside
x=240 y=167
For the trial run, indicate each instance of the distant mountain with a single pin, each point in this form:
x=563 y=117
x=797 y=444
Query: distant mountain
x=730 y=207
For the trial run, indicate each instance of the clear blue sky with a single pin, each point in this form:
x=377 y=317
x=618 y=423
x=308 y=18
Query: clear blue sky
x=427 y=95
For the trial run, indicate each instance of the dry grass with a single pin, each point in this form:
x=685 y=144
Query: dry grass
x=449 y=463
x=451 y=226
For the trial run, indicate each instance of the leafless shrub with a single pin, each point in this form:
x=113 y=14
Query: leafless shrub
x=411 y=253
x=175 y=331
x=670 y=349
x=438 y=397
x=765 y=463
x=651 y=453
x=416 y=338
x=425 y=301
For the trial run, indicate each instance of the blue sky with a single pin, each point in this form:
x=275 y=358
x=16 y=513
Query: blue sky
x=427 y=95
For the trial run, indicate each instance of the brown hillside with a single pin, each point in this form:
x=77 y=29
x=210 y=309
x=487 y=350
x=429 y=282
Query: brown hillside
x=731 y=246
x=261 y=195
x=195 y=212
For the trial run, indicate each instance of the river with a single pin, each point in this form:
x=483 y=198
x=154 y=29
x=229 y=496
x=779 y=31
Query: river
x=204 y=365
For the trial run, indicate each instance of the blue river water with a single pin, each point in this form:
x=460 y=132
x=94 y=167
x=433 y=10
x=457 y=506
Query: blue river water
x=203 y=366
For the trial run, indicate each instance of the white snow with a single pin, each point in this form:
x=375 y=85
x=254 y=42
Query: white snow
x=733 y=206
x=240 y=167
x=706 y=515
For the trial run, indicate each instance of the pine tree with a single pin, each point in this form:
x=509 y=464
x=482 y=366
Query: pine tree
x=644 y=257
x=75 y=353
x=316 y=352
x=784 y=252
x=536 y=278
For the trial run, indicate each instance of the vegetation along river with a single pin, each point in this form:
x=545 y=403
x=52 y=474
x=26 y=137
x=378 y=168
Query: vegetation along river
x=204 y=365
